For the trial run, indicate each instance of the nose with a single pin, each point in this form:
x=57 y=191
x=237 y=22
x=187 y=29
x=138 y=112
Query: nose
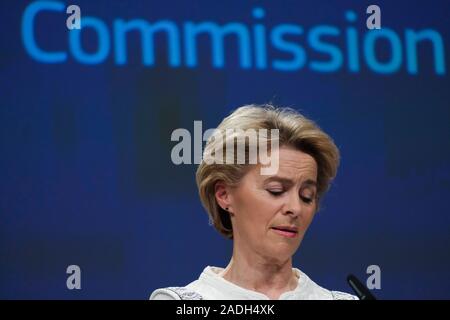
x=293 y=206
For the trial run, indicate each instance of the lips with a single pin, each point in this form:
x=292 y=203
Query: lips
x=286 y=231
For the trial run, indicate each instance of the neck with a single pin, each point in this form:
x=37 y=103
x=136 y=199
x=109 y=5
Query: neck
x=255 y=272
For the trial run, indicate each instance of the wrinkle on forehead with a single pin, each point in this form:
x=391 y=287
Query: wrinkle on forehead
x=296 y=165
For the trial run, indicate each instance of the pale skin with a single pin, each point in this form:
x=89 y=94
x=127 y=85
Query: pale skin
x=258 y=206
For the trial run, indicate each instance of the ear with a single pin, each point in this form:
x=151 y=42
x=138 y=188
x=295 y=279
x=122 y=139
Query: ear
x=223 y=196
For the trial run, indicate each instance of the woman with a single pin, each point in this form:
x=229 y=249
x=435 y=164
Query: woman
x=266 y=215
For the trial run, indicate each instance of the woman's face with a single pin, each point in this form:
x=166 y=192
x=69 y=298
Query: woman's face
x=271 y=213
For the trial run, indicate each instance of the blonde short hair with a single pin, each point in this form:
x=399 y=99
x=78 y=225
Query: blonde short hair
x=295 y=131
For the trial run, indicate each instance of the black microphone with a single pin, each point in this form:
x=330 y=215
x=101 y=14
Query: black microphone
x=361 y=291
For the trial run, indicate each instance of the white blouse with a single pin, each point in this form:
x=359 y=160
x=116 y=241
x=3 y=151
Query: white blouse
x=211 y=286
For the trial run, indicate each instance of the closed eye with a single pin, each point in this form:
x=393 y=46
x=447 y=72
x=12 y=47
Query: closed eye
x=275 y=192
x=307 y=200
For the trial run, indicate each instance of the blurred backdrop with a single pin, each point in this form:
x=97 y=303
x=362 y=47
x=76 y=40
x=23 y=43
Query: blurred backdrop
x=86 y=117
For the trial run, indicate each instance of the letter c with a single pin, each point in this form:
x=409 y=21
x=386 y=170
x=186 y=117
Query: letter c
x=28 y=32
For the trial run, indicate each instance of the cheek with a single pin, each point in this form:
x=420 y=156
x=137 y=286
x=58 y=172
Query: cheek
x=257 y=208
x=262 y=211
x=246 y=199
x=309 y=216
x=266 y=204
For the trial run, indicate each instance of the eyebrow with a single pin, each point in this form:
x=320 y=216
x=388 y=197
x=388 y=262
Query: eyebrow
x=288 y=181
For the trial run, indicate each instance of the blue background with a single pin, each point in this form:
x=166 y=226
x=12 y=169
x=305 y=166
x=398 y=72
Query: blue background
x=86 y=176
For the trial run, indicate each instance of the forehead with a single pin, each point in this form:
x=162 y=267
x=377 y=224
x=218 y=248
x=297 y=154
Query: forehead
x=294 y=165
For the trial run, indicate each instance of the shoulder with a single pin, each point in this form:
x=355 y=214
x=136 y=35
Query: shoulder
x=338 y=295
x=175 y=293
x=311 y=290
x=319 y=293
